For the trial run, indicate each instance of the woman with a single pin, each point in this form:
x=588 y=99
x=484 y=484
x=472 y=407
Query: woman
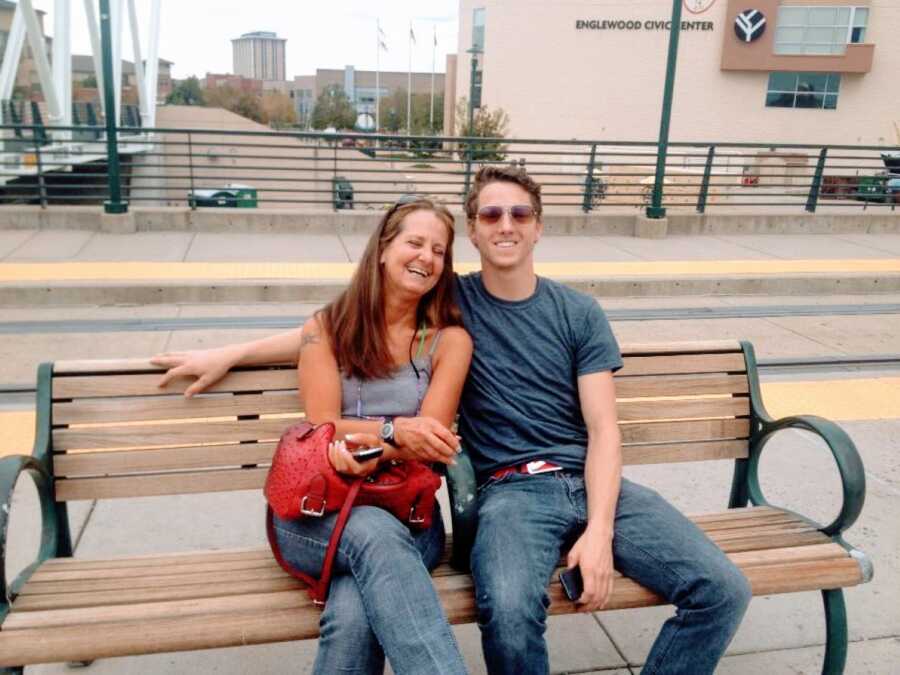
x=390 y=349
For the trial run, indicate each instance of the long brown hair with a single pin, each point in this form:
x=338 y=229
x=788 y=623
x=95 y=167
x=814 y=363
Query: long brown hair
x=355 y=321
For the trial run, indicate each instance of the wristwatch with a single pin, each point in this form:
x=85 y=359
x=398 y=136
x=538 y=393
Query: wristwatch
x=387 y=431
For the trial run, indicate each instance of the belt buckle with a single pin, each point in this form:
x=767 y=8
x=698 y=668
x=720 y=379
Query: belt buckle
x=540 y=466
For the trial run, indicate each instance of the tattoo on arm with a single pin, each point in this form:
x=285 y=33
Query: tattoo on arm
x=311 y=339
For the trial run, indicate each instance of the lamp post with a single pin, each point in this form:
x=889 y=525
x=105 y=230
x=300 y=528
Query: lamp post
x=115 y=203
x=473 y=73
x=656 y=210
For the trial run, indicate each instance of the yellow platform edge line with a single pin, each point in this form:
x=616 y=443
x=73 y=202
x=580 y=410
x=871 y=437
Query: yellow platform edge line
x=841 y=400
x=170 y=271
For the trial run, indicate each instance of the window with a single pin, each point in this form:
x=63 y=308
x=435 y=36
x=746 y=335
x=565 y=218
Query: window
x=478 y=29
x=803 y=90
x=819 y=30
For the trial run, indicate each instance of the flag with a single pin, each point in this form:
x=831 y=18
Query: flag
x=412 y=36
x=382 y=40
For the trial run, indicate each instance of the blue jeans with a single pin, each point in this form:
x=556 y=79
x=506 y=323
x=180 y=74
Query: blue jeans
x=525 y=521
x=381 y=602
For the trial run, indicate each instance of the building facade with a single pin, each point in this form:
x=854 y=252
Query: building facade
x=787 y=71
x=259 y=56
x=360 y=87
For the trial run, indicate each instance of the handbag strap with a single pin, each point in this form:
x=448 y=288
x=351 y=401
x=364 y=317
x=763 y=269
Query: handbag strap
x=317 y=588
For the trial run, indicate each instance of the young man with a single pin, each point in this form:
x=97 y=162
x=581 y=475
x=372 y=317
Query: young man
x=538 y=419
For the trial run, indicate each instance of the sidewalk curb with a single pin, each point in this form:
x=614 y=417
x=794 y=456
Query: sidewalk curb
x=281 y=290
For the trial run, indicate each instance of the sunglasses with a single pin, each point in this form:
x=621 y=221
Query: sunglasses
x=521 y=214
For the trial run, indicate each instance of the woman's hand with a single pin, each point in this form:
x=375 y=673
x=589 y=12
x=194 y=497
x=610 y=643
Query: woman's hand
x=425 y=439
x=343 y=461
x=207 y=365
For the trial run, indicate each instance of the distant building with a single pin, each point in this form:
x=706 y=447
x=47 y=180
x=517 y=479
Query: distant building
x=359 y=85
x=239 y=82
x=83 y=71
x=259 y=55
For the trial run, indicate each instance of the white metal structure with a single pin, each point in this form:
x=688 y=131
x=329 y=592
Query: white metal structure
x=56 y=81
x=56 y=84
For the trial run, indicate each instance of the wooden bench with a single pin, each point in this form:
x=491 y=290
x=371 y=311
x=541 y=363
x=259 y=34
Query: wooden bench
x=105 y=431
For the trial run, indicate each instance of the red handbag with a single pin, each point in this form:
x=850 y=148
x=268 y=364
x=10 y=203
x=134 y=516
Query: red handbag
x=303 y=484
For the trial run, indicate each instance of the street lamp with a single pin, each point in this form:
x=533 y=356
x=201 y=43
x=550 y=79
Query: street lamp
x=473 y=73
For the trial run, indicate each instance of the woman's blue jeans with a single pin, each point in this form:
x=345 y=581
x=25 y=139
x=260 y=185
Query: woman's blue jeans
x=525 y=521
x=381 y=602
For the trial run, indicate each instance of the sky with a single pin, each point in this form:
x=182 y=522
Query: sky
x=196 y=34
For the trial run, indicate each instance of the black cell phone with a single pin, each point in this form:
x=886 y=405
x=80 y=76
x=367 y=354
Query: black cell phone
x=572 y=583
x=365 y=454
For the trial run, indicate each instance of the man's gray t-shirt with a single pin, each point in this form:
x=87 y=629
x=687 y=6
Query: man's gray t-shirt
x=520 y=402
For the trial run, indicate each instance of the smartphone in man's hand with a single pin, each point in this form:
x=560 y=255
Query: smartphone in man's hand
x=572 y=583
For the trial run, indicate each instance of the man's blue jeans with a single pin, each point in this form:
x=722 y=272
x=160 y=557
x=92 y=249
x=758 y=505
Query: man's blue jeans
x=381 y=601
x=523 y=523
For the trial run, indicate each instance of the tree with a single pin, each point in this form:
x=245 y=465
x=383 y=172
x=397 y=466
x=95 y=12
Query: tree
x=90 y=82
x=485 y=124
x=240 y=103
x=186 y=92
x=333 y=109
x=393 y=113
x=278 y=109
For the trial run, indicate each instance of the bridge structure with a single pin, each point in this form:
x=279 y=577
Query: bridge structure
x=63 y=144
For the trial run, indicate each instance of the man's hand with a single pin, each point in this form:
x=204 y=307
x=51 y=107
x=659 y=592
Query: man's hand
x=425 y=439
x=593 y=554
x=207 y=365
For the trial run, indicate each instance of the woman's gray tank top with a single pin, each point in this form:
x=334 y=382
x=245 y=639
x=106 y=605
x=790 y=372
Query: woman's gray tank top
x=398 y=395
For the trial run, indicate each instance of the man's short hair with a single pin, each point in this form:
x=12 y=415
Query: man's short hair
x=502 y=174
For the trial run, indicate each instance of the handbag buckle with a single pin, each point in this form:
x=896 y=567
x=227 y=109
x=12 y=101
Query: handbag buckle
x=413 y=518
x=311 y=512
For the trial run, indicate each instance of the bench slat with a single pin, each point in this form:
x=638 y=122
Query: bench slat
x=222 y=629
x=168 y=572
x=105 y=410
x=172 y=435
x=680 y=432
x=93 y=386
x=639 y=386
x=668 y=409
x=682 y=364
x=684 y=452
x=286 y=599
x=683 y=347
x=133 y=461
x=71 y=489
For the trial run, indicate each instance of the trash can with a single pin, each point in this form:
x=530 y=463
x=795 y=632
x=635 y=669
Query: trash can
x=245 y=195
x=218 y=197
x=342 y=192
x=871 y=188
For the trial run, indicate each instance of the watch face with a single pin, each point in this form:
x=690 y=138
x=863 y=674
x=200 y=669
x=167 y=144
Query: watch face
x=387 y=430
x=698 y=6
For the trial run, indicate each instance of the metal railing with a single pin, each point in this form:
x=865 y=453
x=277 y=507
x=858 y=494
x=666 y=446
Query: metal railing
x=315 y=171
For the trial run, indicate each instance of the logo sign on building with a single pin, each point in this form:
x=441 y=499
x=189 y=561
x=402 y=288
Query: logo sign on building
x=749 y=25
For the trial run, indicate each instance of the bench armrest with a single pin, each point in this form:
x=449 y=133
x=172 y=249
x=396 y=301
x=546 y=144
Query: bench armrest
x=463 y=510
x=11 y=468
x=846 y=456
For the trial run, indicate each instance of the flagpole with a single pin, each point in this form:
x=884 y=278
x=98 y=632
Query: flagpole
x=433 y=50
x=409 y=86
x=377 y=76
